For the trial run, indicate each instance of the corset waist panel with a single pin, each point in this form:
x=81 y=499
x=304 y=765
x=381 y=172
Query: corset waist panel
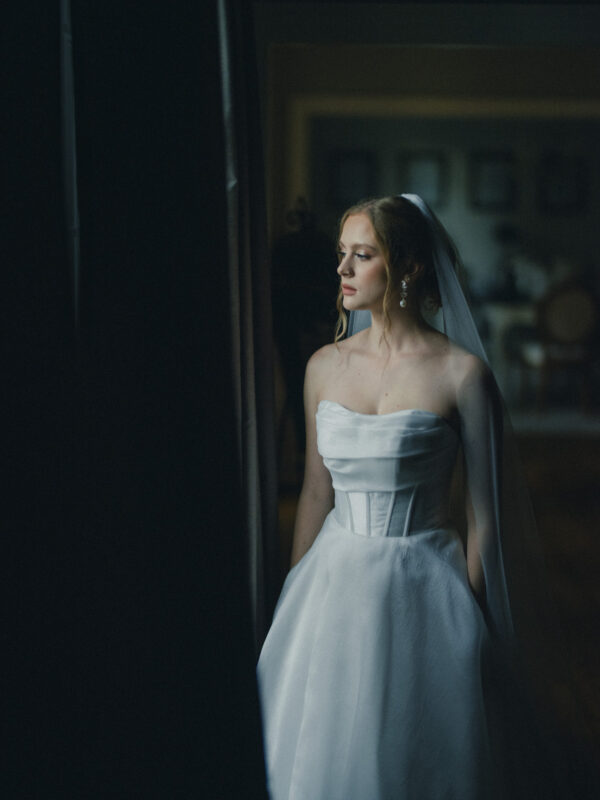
x=395 y=513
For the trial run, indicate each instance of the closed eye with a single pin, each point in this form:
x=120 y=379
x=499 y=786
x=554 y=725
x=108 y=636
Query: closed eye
x=360 y=256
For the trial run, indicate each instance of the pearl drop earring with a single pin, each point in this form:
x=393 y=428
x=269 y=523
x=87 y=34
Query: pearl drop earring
x=403 y=292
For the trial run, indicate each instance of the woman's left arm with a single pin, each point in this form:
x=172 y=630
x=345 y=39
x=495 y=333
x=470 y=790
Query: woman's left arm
x=479 y=408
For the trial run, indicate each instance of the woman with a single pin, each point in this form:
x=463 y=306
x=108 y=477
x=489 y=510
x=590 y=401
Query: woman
x=374 y=675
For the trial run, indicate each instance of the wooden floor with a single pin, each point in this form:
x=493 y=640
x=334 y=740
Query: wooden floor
x=564 y=481
x=563 y=474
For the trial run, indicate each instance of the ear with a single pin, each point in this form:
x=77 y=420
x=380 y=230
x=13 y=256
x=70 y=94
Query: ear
x=415 y=271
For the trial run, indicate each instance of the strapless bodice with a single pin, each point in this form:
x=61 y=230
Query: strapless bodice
x=391 y=472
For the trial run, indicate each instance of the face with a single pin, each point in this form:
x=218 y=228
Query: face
x=362 y=265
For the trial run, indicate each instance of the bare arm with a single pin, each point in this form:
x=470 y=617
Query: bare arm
x=316 y=497
x=481 y=421
x=474 y=565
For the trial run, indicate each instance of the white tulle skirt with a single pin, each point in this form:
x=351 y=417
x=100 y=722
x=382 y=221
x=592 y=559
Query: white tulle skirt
x=371 y=677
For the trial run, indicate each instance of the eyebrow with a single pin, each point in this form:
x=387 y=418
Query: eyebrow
x=358 y=244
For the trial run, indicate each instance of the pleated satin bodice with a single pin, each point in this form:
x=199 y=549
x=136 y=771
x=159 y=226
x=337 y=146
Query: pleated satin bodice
x=391 y=472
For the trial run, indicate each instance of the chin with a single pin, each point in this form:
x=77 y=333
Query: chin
x=350 y=303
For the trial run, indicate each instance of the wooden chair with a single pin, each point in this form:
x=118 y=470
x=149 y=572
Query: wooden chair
x=567 y=323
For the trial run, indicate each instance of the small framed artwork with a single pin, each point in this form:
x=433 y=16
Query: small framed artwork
x=562 y=184
x=424 y=173
x=493 y=181
x=352 y=176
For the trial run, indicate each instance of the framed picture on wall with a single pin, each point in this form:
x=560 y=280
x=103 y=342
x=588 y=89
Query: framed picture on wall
x=492 y=180
x=562 y=183
x=424 y=173
x=352 y=176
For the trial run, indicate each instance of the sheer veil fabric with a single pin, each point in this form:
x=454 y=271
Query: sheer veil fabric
x=485 y=484
x=528 y=669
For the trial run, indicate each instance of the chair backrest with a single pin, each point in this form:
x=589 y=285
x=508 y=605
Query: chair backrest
x=568 y=313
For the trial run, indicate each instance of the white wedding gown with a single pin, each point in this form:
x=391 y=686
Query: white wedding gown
x=371 y=675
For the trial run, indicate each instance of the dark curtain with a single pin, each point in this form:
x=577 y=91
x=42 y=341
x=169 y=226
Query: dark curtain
x=251 y=326
x=131 y=601
x=39 y=494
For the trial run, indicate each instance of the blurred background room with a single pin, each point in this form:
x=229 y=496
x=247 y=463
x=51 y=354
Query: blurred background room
x=492 y=114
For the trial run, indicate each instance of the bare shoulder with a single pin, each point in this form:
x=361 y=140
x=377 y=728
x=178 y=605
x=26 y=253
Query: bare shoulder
x=334 y=355
x=329 y=362
x=322 y=360
x=318 y=368
x=468 y=370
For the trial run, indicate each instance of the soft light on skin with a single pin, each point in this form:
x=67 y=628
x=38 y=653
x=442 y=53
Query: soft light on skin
x=362 y=266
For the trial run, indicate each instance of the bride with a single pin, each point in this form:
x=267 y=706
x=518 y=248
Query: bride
x=375 y=676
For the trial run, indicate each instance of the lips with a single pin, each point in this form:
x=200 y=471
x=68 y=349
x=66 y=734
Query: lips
x=347 y=289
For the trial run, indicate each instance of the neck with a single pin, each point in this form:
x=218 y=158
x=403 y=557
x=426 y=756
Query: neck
x=404 y=331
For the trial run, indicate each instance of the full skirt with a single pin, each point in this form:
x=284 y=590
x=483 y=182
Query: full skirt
x=372 y=677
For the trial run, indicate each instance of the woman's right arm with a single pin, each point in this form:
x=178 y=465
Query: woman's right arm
x=316 y=497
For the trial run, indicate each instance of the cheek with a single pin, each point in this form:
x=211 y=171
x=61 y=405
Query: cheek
x=376 y=276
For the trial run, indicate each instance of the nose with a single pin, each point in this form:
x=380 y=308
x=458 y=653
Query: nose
x=344 y=266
